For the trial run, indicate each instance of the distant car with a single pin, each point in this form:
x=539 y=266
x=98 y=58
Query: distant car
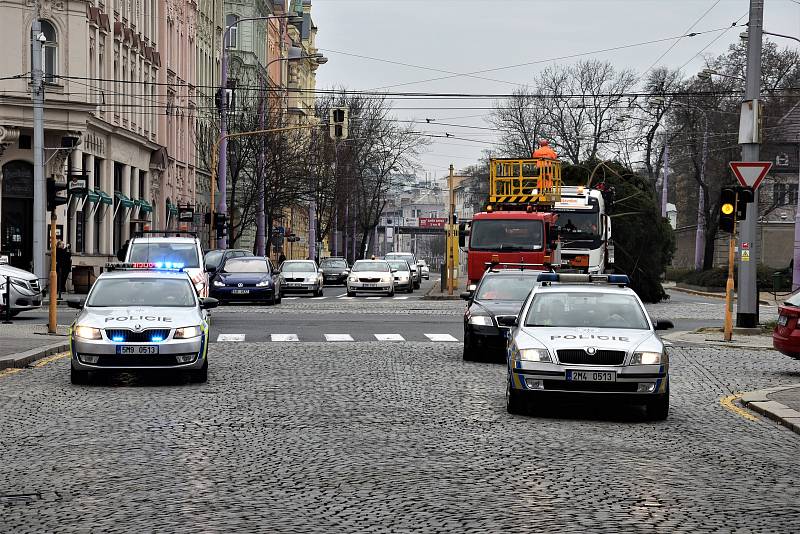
x=403 y=279
x=786 y=335
x=170 y=248
x=499 y=295
x=334 y=270
x=588 y=337
x=140 y=318
x=412 y=261
x=214 y=258
x=370 y=276
x=424 y=269
x=302 y=276
x=24 y=289
x=247 y=279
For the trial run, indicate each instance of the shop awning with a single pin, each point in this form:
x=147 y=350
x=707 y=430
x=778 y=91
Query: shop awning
x=124 y=201
x=172 y=209
x=104 y=197
x=145 y=207
x=92 y=197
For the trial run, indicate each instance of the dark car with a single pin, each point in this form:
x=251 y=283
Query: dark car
x=247 y=279
x=334 y=271
x=500 y=293
x=214 y=258
x=786 y=336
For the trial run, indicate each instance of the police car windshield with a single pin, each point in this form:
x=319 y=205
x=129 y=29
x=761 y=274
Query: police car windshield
x=585 y=309
x=144 y=252
x=506 y=287
x=298 y=267
x=139 y=291
x=248 y=265
x=364 y=266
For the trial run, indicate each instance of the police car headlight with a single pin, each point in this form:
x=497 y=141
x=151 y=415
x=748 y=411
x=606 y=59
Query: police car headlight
x=481 y=320
x=87 y=332
x=187 y=332
x=532 y=355
x=646 y=358
x=217 y=283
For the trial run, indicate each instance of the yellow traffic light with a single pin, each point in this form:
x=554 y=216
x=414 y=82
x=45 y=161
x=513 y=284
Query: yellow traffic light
x=727 y=208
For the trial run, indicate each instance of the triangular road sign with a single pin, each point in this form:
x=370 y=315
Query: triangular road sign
x=750 y=173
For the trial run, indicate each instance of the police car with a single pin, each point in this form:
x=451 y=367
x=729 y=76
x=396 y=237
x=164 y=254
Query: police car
x=138 y=317
x=585 y=335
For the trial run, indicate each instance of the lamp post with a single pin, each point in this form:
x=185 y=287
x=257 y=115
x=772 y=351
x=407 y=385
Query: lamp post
x=222 y=171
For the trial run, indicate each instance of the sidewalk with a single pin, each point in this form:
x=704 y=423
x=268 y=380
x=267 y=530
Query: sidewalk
x=435 y=293
x=764 y=298
x=24 y=343
x=781 y=404
x=743 y=338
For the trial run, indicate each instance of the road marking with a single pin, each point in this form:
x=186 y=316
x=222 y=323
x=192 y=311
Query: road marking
x=389 y=337
x=440 y=337
x=10 y=371
x=374 y=298
x=338 y=337
x=318 y=298
x=728 y=404
x=401 y=298
x=50 y=359
x=290 y=298
x=284 y=337
x=230 y=337
x=346 y=298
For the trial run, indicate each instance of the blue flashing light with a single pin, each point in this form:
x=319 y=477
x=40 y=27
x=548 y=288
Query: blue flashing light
x=156 y=339
x=159 y=265
x=548 y=277
x=118 y=339
x=619 y=279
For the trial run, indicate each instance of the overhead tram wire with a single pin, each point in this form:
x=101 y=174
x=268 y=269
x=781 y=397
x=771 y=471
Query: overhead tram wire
x=718 y=37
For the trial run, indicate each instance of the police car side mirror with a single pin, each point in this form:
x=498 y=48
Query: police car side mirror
x=208 y=302
x=507 y=320
x=76 y=303
x=662 y=324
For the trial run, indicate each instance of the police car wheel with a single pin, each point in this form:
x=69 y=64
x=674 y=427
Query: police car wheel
x=199 y=376
x=658 y=410
x=515 y=404
x=78 y=377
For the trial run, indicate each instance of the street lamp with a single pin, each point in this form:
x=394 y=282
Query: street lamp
x=222 y=241
x=706 y=74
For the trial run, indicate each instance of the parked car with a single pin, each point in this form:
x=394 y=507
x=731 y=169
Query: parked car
x=334 y=270
x=302 y=276
x=786 y=335
x=248 y=278
x=370 y=276
x=23 y=288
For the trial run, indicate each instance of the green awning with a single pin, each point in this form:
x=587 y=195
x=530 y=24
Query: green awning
x=125 y=201
x=145 y=207
x=137 y=202
x=173 y=209
x=92 y=197
x=104 y=197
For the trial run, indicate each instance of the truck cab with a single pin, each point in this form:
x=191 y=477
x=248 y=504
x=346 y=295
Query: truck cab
x=585 y=230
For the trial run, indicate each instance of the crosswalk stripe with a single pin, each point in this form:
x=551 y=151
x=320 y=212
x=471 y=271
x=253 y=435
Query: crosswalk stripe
x=440 y=337
x=401 y=298
x=373 y=298
x=290 y=298
x=346 y=298
x=389 y=337
x=230 y=337
x=284 y=337
x=338 y=337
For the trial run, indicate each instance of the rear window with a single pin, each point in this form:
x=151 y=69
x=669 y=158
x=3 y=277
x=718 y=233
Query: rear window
x=144 y=252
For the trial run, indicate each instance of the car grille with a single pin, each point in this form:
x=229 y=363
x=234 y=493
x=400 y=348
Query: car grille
x=295 y=279
x=601 y=357
x=129 y=336
x=599 y=387
x=35 y=285
x=369 y=280
x=141 y=360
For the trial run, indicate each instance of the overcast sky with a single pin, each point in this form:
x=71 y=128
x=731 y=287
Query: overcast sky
x=465 y=36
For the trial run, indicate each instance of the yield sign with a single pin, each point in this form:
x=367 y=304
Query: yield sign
x=750 y=173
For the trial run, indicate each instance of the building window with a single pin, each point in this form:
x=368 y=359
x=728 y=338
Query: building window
x=784 y=194
x=49 y=52
x=233 y=30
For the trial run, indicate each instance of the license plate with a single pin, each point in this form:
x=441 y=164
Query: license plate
x=783 y=320
x=370 y=285
x=241 y=291
x=137 y=349
x=592 y=376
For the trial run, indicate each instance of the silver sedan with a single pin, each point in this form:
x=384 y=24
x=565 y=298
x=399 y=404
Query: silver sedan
x=370 y=276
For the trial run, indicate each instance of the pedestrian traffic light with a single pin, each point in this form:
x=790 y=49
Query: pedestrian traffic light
x=338 y=123
x=56 y=193
x=744 y=197
x=727 y=210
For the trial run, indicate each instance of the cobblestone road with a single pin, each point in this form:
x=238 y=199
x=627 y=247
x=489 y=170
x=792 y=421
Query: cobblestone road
x=386 y=437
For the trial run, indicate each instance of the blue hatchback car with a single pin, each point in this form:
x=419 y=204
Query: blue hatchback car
x=247 y=279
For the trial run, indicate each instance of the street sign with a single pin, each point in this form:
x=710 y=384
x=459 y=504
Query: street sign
x=745 y=255
x=750 y=173
x=432 y=222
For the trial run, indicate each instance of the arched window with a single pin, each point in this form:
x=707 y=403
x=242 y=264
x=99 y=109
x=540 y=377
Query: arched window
x=49 y=52
x=233 y=37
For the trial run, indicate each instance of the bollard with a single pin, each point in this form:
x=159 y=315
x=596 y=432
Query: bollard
x=8 y=301
x=443 y=279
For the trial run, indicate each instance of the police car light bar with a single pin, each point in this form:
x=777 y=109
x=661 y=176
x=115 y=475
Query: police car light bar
x=621 y=280
x=146 y=266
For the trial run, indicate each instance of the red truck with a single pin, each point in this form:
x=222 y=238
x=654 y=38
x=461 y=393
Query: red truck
x=518 y=225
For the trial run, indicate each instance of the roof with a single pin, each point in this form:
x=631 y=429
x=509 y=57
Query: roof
x=585 y=288
x=162 y=239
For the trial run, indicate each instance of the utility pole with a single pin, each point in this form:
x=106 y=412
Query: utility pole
x=260 y=216
x=312 y=230
x=450 y=231
x=796 y=256
x=700 y=234
x=37 y=96
x=747 y=301
x=665 y=181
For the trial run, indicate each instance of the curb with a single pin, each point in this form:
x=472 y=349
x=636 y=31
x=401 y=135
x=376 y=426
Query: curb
x=23 y=359
x=677 y=338
x=435 y=288
x=759 y=401
x=720 y=296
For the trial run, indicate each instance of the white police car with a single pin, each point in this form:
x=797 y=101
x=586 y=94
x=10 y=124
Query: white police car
x=137 y=317
x=585 y=335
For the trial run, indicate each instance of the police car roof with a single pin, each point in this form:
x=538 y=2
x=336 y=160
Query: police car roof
x=556 y=287
x=144 y=273
x=162 y=239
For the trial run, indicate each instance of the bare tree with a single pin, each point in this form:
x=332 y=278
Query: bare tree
x=520 y=120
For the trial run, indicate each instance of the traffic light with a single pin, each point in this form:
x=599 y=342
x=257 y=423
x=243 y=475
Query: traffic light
x=221 y=222
x=56 y=193
x=727 y=210
x=455 y=218
x=745 y=197
x=338 y=122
